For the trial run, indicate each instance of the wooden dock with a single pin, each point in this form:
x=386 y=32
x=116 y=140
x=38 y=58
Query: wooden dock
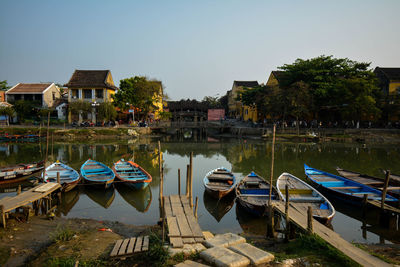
x=130 y=246
x=183 y=227
x=38 y=195
x=298 y=216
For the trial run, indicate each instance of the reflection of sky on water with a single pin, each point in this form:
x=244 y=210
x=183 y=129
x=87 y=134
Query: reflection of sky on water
x=237 y=154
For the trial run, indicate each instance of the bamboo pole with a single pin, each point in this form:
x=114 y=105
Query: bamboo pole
x=161 y=179
x=309 y=220
x=385 y=185
x=179 y=181
x=187 y=179
x=19 y=190
x=272 y=165
x=195 y=207
x=47 y=143
x=58 y=178
x=191 y=180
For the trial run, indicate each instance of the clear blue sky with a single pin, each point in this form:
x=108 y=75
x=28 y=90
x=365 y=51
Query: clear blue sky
x=196 y=48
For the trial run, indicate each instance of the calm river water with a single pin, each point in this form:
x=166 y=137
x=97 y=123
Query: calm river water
x=242 y=156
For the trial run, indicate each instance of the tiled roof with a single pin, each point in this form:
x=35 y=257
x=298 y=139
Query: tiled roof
x=246 y=83
x=90 y=79
x=28 y=88
x=390 y=73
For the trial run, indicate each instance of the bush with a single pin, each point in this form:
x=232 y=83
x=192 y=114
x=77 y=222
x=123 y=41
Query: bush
x=62 y=233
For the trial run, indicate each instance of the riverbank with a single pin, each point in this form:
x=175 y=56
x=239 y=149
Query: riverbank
x=63 y=242
x=365 y=136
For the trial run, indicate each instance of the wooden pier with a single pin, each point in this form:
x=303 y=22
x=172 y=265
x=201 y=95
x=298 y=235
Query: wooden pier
x=183 y=227
x=298 y=216
x=39 y=196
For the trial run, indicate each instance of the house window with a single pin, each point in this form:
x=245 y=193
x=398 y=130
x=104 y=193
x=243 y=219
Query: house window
x=99 y=93
x=54 y=96
x=87 y=94
x=74 y=93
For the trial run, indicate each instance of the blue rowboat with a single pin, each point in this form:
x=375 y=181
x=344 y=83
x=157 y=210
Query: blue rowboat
x=219 y=182
x=97 y=173
x=343 y=188
x=69 y=177
x=131 y=173
x=252 y=193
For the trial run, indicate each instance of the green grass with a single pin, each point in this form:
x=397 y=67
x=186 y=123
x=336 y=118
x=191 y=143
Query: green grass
x=316 y=250
x=70 y=262
x=62 y=233
x=157 y=255
x=380 y=256
x=5 y=253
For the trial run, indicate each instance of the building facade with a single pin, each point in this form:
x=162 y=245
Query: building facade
x=45 y=94
x=91 y=86
x=389 y=80
x=236 y=109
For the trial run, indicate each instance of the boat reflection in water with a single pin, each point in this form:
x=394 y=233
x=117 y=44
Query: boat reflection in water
x=68 y=201
x=139 y=199
x=103 y=197
x=254 y=225
x=218 y=208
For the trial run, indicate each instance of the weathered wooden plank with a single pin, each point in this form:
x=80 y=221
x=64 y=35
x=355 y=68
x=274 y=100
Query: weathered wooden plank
x=187 y=209
x=199 y=239
x=131 y=245
x=188 y=240
x=138 y=246
x=332 y=238
x=145 y=246
x=177 y=208
x=45 y=187
x=173 y=229
x=183 y=225
x=167 y=207
x=115 y=250
x=174 y=199
x=176 y=242
x=122 y=249
x=194 y=226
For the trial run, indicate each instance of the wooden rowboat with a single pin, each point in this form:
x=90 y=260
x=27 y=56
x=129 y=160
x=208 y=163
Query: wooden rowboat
x=219 y=182
x=302 y=195
x=252 y=193
x=344 y=189
x=393 y=188
x=132 y=174
x=20 y=172
x=69 y=177
x=97 y=173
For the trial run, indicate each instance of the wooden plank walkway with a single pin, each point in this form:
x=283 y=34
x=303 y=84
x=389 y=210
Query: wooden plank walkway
x=37 y=193
x=129 y=246
x=183 y=227
x=298 y=216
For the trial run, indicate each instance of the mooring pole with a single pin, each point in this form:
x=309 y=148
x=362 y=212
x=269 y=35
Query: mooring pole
x=365 y=204
x=309 y=220
x=161 y=180
x=191 y=180
x=385 y=185
x=187 y=179
x=272 y=166
x=179 y=181
x=58 y=178
x=287 y=232
x=19 y=190
x=195 y=207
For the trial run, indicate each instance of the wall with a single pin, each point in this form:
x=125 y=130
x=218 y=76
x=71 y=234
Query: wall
x=48 y=95
x=216 y=114
x=394 y=87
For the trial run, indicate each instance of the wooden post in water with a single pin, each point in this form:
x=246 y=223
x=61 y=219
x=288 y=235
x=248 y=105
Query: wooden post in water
x=195 y=207
x=179 y=181
x=187 y=179
x=309 y=220
x=385 y=185
x=191 y=180
x=19 y=190
x=365 y=204
x=161 y=180
x=272 y=165
x=271 y=227
x=47 y=143
x=287 y=232
x=58 y=178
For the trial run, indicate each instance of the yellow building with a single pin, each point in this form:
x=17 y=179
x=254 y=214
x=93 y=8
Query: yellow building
x=158 y=100
x=93 y=86
x=236 y=109
x=389 y=80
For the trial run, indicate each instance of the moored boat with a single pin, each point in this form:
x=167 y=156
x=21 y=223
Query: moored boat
x=97 y=173
x=375 y=182
x=342 y=188
x=69 y=177
x=131 y=173
x=252 y=193
x=139 y=199
x=219 y=182
x=302 y=195
x=20 y=172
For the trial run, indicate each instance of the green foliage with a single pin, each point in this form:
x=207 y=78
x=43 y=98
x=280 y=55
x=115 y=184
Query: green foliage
x=26 y=109
x=165 y=115
x=79 y=106
x=70 y=262
x=106 y=111
x=138 y=92
x=4 y=85
x=211 y=101
x=157 y=255
x=62 y=233
x=8 y=111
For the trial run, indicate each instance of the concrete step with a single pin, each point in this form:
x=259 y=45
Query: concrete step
x=207 y=235
x=223 y=257
x=256 y=256
x=189 y=263
x=224 y=240
x=187 y=249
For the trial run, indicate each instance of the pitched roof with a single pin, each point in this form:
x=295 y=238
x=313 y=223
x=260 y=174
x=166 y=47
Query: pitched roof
x=390 y=73
x=278 y=74
x=28 y=88
x=90 y=78
x=246 y=83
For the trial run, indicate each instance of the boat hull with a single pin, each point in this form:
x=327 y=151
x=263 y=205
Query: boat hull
x=256 y=210
x=228 y=188
x=218 y=194
x=136 y=184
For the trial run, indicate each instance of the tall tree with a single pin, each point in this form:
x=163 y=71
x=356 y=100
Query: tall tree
x=4 y=85
x=139 y=92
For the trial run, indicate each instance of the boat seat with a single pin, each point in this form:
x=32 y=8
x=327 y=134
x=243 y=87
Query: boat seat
x=252 y=183
x=306 y=199
x=345 y=187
